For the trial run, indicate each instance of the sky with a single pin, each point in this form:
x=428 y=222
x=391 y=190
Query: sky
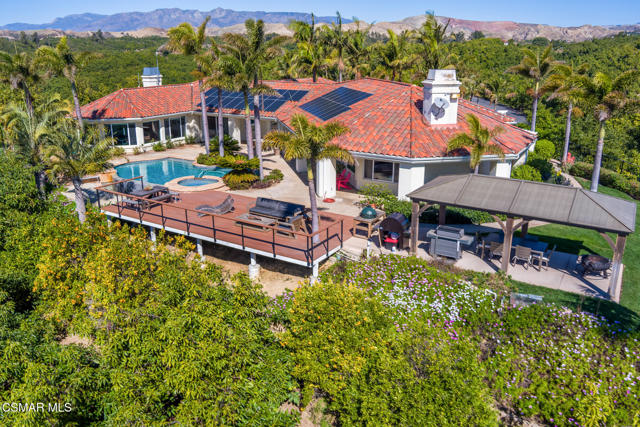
x=553 y=12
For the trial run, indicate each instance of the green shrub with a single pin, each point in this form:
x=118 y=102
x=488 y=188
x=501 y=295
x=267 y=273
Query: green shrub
x=240 y=180
x=138 y=150
x=117 y=152
x=275 y=175
x=159 y=146
x=543 y=166
x=608 y=178
x=190 y=139
x=527 y=173
x=231 y=145
x=169 y=144
x=544 y=150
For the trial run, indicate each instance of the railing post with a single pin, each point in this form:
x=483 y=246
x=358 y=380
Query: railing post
x=327 y=242
x=98 y=195
x=162 y=215
x=213 y=226
x=242 y=234
x=309 y=253
x=139 y=212
x=273 y=241
x=186 y=220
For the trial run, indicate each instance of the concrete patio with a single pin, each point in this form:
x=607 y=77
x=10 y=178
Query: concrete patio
x=563 y=272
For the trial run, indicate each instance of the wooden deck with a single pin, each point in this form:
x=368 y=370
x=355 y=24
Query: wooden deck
x=181 y=217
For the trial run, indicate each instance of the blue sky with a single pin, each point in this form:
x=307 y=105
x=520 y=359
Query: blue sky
x=554 y=12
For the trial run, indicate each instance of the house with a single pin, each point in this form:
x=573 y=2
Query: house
x=398 y=131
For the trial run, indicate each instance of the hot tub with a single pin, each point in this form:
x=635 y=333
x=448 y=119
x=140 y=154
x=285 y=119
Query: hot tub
x=194 y=182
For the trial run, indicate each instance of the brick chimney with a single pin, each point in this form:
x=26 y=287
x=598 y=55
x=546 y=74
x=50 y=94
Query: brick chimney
x=441 y=93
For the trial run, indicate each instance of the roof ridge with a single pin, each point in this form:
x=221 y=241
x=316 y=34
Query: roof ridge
x=587 y=193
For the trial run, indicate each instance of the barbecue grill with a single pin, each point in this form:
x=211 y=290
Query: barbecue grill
x=447 y=241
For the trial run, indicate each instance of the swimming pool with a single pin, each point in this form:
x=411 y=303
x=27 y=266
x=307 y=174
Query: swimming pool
x=162 y=171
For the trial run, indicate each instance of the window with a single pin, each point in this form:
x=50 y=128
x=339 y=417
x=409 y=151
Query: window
x=151 y=131
x=123 y=134
x=381 y=171
x=174 y=128
x=213 y=126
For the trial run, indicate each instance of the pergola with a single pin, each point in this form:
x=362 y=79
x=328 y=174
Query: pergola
x=528 y=201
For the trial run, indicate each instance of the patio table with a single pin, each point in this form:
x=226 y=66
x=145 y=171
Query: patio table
x=156 y=190
x=536 y=246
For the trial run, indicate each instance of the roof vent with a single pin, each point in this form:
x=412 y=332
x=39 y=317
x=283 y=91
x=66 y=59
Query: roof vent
x=151 y=77
x=441 y=93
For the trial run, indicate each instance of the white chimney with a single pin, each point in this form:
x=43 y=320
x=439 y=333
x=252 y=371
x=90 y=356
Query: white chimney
x=441 y=93
x=151 y=77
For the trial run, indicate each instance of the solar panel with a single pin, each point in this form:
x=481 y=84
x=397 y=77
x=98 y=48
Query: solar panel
x=333 y=103
x=270 y=103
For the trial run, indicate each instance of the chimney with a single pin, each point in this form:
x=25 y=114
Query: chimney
x=151 y=77
x=441 y=93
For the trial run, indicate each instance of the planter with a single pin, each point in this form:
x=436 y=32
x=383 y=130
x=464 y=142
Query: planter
x=106 y=176
x=328 y=200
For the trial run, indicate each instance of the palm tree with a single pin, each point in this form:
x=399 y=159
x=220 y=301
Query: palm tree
x=20 y=71
x=337 y=39
x=609 y=97
x=395 y=54
x=358 y=53
x=310 y=55
x=312 y=143
x=31 y=132
x=431 y=37
x=192 y=42
x=537 y=66
x=62 y=61
x=73 y=154
x=566 y=84
x=477 y=141
x=495 y=90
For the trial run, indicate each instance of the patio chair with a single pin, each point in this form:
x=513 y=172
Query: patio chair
x=522 y=254
x=544 y=259
x=495 y=249
x=342 y=180
x=223 y=208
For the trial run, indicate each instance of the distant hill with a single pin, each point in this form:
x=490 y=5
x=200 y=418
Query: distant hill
x=161 y=18
x=140 y=24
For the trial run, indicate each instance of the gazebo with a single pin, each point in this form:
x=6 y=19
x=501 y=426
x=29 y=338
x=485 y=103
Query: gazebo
x=528 y=200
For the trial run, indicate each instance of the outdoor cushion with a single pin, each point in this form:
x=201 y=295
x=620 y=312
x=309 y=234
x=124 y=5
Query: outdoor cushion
x=275 y=208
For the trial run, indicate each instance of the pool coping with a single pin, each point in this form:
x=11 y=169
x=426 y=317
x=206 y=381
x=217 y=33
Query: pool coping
x=174 y=186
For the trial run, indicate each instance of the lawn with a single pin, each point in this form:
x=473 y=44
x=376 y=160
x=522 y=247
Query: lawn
x=582 y=241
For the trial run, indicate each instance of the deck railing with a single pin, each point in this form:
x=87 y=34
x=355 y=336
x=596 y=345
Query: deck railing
x=196 y=222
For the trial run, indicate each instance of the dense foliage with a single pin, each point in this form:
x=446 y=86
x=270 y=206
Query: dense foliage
x=409 y=328
x=608 y=178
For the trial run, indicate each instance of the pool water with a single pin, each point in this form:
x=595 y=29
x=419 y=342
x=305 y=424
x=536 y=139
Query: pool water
x=162 y=171
x=194 y=182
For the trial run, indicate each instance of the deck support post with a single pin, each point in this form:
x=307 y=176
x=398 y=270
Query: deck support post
x=616 y=268
x=199 y=247
x=506 y=246
x=152 y=234
x=442 y=214
x=525 y=230
x=254 y=268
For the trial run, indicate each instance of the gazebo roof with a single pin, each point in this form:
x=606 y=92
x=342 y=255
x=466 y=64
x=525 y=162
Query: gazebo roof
x=531 y=200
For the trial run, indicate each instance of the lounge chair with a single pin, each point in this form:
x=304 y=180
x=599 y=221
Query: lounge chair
x=523 y=254
x=543 y=259
x=222 y=208
x=495 y=249
x=276 y=209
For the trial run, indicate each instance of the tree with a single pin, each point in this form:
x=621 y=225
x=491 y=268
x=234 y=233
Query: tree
x=191 y=42
x=20 y=71
x=431 y=37
x=566 y=84
x=476 y=35
x=358 y=53
x=31 y=132
x=395 y=55
x=62 y=61
x=310 y=54
x=74 y=153
x=312 y=143
x=537 y=66
x=608 y=97
x=338 y=40
x=477 y=141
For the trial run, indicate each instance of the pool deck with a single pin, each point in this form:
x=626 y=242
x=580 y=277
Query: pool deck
x=180 y=217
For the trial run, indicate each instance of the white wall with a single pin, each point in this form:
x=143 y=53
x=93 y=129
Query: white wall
x=326 y=178
x=194 y=126
x=411 y=176
x=235 y=130
x=503 y=169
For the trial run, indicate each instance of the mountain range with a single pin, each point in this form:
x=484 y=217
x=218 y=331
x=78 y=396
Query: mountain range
x=141 y=24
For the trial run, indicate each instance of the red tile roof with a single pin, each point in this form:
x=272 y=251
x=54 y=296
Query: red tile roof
x=141 y=102
x=388 y=123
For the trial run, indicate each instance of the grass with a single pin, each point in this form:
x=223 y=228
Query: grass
x=582 y=241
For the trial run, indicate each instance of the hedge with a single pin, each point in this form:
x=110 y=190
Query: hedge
x=608 y=178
